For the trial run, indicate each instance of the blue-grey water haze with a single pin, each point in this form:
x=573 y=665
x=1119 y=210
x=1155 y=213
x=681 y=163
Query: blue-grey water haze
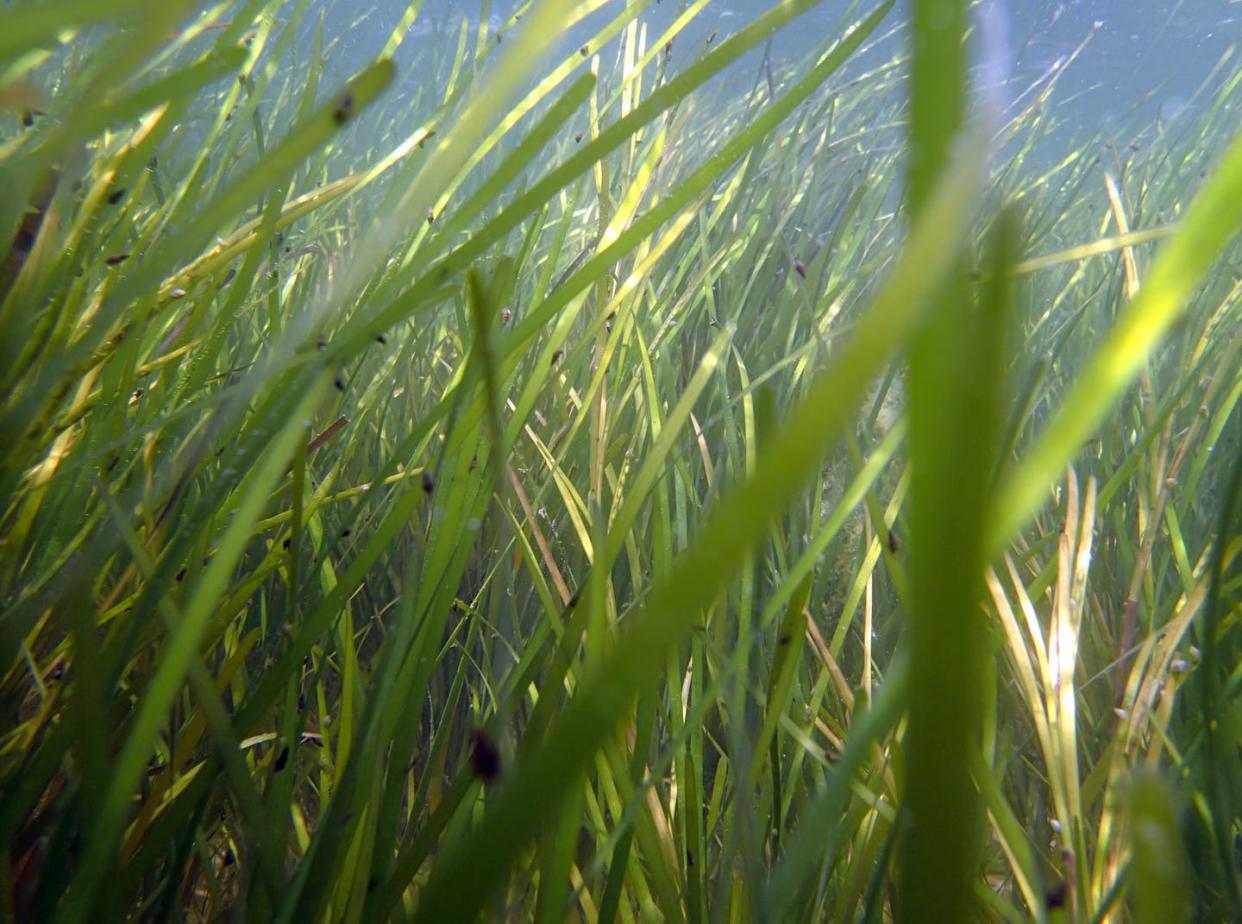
x=1133 y=56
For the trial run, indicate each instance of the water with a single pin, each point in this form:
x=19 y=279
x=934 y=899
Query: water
x=618 y=397
x=1145 y=56
x=1122 y=70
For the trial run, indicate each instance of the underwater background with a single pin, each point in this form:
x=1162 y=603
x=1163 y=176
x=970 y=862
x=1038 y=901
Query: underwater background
x=599 y=461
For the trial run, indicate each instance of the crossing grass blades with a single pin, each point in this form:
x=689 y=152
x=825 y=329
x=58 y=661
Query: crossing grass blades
x=608 y=480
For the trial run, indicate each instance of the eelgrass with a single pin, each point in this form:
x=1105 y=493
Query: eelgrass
x=425 y=500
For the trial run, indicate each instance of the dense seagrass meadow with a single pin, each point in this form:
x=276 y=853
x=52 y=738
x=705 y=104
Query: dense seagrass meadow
x=579 y=464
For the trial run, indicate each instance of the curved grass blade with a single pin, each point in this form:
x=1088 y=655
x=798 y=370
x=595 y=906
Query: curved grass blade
x=472 y=869
x=137 y=286
x=610 y=138
x=820 y=818
x=32 y=25
x=101 y=839
x=1211 y=221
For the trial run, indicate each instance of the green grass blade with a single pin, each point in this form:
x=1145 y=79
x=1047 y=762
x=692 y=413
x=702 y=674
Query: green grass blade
x=1210 y=223
x=473 y=868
